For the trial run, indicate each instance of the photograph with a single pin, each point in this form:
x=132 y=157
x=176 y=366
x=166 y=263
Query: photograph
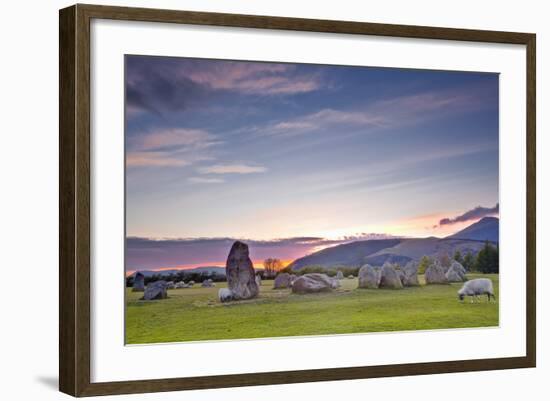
x=270 y=199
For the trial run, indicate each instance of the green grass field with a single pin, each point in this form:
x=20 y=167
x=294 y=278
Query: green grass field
x=192 y=314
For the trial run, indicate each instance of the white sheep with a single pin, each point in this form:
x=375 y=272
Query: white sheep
x=476 y=287
x=225 y=295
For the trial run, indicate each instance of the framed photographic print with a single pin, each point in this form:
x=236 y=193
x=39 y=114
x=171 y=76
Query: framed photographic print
x=250 y=200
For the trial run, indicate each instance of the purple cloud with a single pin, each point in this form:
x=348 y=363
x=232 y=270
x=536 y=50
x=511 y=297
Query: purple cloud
x=473 y=214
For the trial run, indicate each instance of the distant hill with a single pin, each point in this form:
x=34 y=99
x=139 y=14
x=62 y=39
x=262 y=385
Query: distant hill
x=485 y=229
x=377 y=252
x=415 y=248
x=350 y=254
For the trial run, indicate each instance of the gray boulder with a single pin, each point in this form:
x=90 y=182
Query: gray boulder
x=435 y=274
x=389 y=278
x=339 y=275
x=313 y=283
x=456 y=273
x=458 y=266
x=239 y=271
x=282 y=281
x=351 y=276
x=410 y=272
x=170 y=285
x=139 y=282
x=293 y=277
x=208 y=283
x=155 y=290
x=369 y=277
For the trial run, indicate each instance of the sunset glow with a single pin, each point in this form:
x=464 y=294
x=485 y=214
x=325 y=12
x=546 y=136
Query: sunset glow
x=296 y=158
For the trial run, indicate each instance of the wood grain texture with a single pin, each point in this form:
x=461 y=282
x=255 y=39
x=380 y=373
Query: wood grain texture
x=74 y=199
x=67 y=293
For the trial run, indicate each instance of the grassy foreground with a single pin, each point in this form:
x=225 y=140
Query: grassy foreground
x=191 y=314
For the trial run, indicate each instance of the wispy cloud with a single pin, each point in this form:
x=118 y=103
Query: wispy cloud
x=473 y=214
x=251 y=78
x=177 y=138
x=154 y=159
x=388 y=113
x=232 y=169
x=325 y=118
x=170 y=148
x=206 y=180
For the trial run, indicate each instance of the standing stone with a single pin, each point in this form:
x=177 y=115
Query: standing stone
x=410 y=272
x=156 y=290
x=240 y=272
x=369 y=277
x=208 y=283
x=139 y=282
x=339 y=275
x=456 y=273
x=313 y=283
x=461 y=269
x=389 y=278
x=282 y=281
x=435 y=274
x=258 y=280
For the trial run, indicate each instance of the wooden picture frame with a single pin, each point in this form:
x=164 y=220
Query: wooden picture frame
x=74 y=200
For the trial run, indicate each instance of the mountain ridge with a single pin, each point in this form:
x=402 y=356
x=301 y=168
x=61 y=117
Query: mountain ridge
x=472 y=239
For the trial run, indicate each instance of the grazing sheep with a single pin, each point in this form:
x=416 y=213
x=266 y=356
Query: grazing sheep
x=476 y=287
x=225 y=295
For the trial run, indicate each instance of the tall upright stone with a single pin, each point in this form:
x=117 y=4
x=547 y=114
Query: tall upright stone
x=241 y=278
x=456 y=273
x=369 y=277
x=139 y=282
x=435 y=274
x=389 y=278
x=410 y=271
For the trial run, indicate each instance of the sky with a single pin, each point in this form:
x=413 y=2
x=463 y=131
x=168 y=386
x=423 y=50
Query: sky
x=277 y=153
